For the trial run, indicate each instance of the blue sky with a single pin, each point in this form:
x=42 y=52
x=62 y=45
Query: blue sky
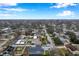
x=39 y=11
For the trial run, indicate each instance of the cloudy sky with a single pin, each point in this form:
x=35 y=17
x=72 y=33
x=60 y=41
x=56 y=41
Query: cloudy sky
x=39 y=10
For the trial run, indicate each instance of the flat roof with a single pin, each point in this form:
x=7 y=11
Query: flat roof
x=20 y=42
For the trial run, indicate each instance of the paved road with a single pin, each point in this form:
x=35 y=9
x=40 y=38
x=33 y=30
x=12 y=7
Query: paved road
x=52 y=45
x=14 y=41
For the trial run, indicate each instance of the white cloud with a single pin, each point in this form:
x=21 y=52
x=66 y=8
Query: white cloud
x=8 y=4
x=15 y=9
x=66 y=13
x=5 y=14
x=61 y=5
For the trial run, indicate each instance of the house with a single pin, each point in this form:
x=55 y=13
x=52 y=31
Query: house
x=72 y=49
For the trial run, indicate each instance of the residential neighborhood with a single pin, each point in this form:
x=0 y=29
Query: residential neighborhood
x=39 y=38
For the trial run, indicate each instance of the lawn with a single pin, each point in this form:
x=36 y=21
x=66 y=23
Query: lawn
x=63 y=52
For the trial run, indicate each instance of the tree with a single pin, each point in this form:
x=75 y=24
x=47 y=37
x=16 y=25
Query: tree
x=43 y=40
x=72 y=37
x=57 y=41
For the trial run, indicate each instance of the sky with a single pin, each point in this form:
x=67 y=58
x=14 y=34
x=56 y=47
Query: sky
x=39 y=10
